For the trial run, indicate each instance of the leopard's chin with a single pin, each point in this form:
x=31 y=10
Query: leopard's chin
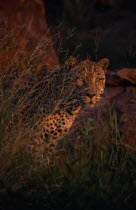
x=91 y=102
x=96 y=99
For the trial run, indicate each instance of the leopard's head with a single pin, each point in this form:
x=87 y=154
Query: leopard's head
x=92 y=80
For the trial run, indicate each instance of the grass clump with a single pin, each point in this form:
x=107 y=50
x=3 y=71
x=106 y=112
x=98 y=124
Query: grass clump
x=97 y=171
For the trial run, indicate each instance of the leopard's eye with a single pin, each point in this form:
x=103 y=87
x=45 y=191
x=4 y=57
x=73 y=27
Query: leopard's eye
x=97 y=79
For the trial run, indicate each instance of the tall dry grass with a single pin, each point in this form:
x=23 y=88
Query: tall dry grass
x=86 y=176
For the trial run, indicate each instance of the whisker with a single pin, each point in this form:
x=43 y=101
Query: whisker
x=102 y=105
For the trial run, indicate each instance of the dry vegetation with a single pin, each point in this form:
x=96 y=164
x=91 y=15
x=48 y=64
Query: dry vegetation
x=88 y=175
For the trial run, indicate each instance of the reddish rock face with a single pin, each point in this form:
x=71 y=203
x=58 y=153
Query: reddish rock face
x=116 y=78
x=29 y=17
x=128 y=74
x=112 y=79
x=111 y=92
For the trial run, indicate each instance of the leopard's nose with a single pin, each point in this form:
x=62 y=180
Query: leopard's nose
x=90 y=95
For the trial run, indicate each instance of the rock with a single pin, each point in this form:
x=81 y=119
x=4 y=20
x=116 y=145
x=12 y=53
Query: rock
x=111 y=92
x=119 y=77
x=112 y=79
x=122 y=99
x=128 y=131
x=28 y=29
x=127 y=74
x=125 y=105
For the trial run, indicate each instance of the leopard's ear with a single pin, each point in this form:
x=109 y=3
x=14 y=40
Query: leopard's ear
x=71 y=61
x=104 y=63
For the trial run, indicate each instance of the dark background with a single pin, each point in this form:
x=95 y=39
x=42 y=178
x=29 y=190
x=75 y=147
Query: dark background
x=94 y=28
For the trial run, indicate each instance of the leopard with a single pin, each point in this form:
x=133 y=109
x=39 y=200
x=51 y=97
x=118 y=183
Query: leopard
x=69 y=87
